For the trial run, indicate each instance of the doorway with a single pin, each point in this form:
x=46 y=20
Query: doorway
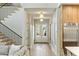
x=41 y=31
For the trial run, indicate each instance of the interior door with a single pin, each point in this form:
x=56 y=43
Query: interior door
x=41 y=30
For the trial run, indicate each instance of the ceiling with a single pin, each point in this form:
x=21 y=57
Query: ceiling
x=39 y=5
x=35 y=12
x=35 y=9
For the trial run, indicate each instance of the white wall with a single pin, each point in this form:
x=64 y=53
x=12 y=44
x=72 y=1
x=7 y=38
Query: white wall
x=54 y=33
x=25 y=32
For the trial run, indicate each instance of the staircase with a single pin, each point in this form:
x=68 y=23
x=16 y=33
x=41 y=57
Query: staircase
x=4 y=40
x=5 y=13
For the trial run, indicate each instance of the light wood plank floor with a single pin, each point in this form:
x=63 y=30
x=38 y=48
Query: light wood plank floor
x=41 y=50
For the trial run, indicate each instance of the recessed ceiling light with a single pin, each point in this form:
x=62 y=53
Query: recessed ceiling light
x=41 y=20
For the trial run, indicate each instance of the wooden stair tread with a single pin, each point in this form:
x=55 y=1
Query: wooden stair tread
x=3 y=37
x=5 y=40
x=9 y=42
x=1 y=34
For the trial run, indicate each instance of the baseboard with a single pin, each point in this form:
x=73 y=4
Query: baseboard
x=41 y=43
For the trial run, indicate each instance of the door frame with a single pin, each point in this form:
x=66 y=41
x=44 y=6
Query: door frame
x=49 y=33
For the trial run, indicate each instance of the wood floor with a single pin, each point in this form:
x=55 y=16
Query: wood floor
x=41 y=50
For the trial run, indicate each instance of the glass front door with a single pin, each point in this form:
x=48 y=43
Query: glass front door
x=41 y=30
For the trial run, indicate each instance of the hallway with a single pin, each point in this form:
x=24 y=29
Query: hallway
x=40 y=25
x=41 y=50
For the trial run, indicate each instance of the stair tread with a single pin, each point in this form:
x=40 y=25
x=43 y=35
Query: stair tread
x=3 y=36
x=6 y=37
x=7 y=43
x=4 y=40
x=0 y=32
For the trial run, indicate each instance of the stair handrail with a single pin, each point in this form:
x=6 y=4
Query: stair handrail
x=3 y=5
x=11 y=30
